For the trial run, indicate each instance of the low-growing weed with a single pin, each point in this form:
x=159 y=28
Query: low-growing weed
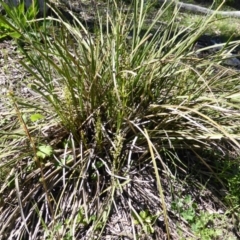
x=201 y=222
x=146 y=219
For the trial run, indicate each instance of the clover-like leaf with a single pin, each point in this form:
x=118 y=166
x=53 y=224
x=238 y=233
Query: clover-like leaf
x=35 y=117
x=143 y=214
x=44 y=151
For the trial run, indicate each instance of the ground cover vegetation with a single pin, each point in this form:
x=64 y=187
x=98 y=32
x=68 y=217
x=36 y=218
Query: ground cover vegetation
x=221 y=26
x=124 y=130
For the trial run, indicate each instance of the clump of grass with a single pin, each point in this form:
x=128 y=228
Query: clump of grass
x=105 y=105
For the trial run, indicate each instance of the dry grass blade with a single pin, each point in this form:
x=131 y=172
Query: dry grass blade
x=160 y=189
x=20 y=204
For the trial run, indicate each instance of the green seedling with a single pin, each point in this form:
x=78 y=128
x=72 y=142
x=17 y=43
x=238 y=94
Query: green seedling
x=44 y=151
x=36 y=117
x=146 y=219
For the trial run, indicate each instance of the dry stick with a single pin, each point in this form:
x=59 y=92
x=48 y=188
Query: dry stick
x=198 y=9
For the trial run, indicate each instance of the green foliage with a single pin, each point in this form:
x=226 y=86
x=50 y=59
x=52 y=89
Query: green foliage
x=7 y=30
x=233 y=181
x=186 y=208
x=204 y=227
x=225 y=1
x=36 y=117
x=146 y=219
x=44 y=151
x=17 y=20
x=64 y=230
x=107 y=98
x=202 y=223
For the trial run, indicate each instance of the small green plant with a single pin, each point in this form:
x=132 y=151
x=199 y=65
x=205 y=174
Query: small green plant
x=65 y=229
x=186 y=208
x=44 y=151
x=233 y=185
x=202 y=224
x=146 y=219
x=81 y=218
x=36 y=117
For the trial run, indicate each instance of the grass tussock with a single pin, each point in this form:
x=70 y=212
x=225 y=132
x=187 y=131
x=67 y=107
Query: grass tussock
x=119 y=119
